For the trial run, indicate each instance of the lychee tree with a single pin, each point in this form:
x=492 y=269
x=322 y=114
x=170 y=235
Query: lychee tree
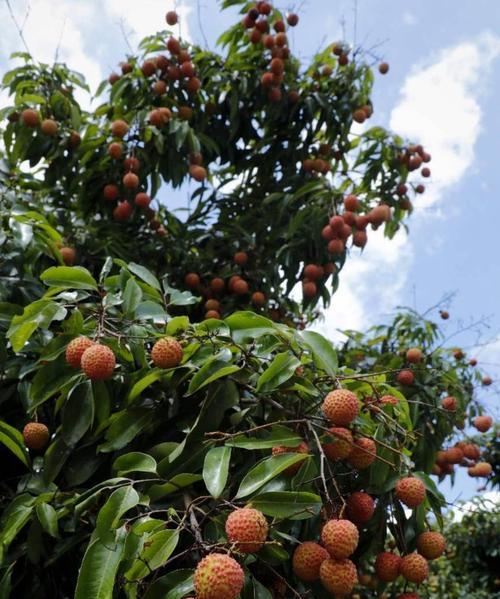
x=159 y=438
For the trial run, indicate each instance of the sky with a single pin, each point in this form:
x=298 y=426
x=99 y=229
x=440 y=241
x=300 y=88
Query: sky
x=442 y=90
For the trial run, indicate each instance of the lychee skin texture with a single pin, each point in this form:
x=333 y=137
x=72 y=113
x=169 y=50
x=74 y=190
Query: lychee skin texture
x=341 y=444
x=340 y=537
x=218 y=576
x=449 y=403
x=75 y=349
x=338 y=576
x=360 y=507
x=411 y=491
x=307 y=560
x=387 y=566
x=483 y=423
x=431 y=545
x=247 y=528
x=414 y=568
x=36 y=435
x=294 y=468
x=406 y=378
x=98 y=362
x=340 y=407
x=363 y=453
x=166 y=353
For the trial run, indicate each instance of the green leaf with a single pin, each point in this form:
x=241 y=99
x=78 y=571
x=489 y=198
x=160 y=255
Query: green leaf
x=216 y=470
x=266 y=470
x=324 y=356
x=213 y=369
x=125 y=427
x=47 y=517
x=54 y=459
x=144 y=383
x=78 y=413
x=38 y=314
x=279 y=371
x=14 y=518
x=159 y=548
x=249 y=326
x=134 y=462
x=288 y=504
x=179 y=481
x=178 y=324
x=144 y=274
x=69 y=277
x=5 y=582
x=174 y=585
x=96 y=577
x=277 y=435
x=49 y=380
x=132 y=297
x=13 y=440
x=119 y=502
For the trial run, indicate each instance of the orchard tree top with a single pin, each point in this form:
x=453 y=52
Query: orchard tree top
x=159 y=441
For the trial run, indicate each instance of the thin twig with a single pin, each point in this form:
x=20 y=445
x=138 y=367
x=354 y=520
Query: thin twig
x=19 y=29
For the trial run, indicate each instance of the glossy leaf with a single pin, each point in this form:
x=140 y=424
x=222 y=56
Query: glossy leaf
x=216 y=470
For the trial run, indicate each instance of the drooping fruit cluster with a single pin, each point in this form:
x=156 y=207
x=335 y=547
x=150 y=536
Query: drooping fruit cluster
x=98 y=362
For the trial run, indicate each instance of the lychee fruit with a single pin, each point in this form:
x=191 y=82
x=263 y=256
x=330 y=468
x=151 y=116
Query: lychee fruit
x=408 y=596
x=258 y=299
x=166 y=353
x=119 y=128
x=363 y=453
x=481 y=470
x=340 y=537
x=30 y=117
x=115 y=150
x=212 y=314
x=307 y=559
x=303 y=447
x=247 y=528
x=454 y=455
x=387 y=566
x=340 y=407
x=483 y=423
x=339 y=577
x=218 y=576
x=131 y=181
x=36 y=435
x=68 y=255
x=240 y=258
x=383 y=68
x=471 y=451
x=414 y=355
x=486 y=381
x=98 y=362
x=449 y=403
x=49 y=127
x=110 y=191
x=197 y=172
x=309 y=289
x=389 y=400
x=411 y=491
x=240 y=287
x=360 y=507
x=142 y=200
x=123 y=211
x=414 y=568
x=405 y=378
x=192 y=280
x=444 y=314
x=292 y=19
x=217 y=285
x=75 y=349
x=351 y=203
x=431 y=544
x=171 y=18
x=341 y=444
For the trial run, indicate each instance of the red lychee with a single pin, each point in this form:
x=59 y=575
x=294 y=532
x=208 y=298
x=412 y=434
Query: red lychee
x=471 y=451
x=119 y=128
x=360 y=507
x=486 y=381
x=363 y=453
x=309 y=289
x=218 y=576
x=414 y=355
x=30 y=117
x=36 y=435
x=405 y=378
x=68 y=255
x=449 y=403
x=338 y=576
x=481 y=470
x=389 y=400
x=247 y=528
x=383 y=68
x=142 y=200
x=414 y=568
x=166 y=353
x=340 y=537
x=240 y=258
x=75 y=349
x=110 y=191
x=340 y=407
x=258 y=299
x=411 y=491
x=483 y=423
x=431 y=544
x=131 y=181
x=408 y=596
x=387 y=566
x=98 y=362
x=307 y=559
x=171 y=18
x=123 y=211
x=341 y=444
x=217 y=285
x=49 y=127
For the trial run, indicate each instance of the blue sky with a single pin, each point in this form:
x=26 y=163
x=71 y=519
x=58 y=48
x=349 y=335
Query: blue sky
x=442 y=90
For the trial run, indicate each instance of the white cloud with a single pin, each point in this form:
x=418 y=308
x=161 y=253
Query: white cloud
x=149 y=17
x=486 y=501
x=409 y=19
x=439 y=107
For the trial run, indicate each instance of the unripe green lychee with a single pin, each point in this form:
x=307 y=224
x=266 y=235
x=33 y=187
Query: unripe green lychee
x=363 y=453
x=340 y=537
x=414 y=568
x=247 y=528
x=98 y=362
x=36 y=435
x=387 y=566
x=341 y=407
x=431 y=544
x=411 y=491
x=166 y=353
x=75 y=349
x=307 y=560
x=341 y=444
x=218 y=576
x=338 y=576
